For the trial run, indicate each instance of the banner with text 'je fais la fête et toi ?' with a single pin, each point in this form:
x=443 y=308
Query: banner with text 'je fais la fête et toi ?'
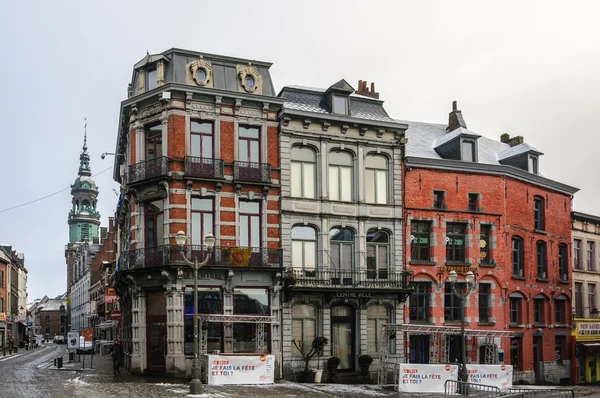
x=252 y=369
x=491 y=375
x=416 y=377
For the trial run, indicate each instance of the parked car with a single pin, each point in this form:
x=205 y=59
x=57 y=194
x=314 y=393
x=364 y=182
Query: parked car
x=59 y=340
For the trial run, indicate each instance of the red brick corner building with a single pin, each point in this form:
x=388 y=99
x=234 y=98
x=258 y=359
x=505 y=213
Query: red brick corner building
x=472 y=203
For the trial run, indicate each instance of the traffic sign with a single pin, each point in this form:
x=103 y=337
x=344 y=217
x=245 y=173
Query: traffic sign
x=115 y=314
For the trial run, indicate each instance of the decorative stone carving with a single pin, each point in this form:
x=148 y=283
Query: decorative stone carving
x=362 y=131
x=344 y=128
x=285 y=121
x=188 y=98
x=326 y=126
x=201 y=71
x=306 y=123
x=238 y=105
x=129 y=90
x=249 y=79
x=160 y=73
x=380 y=133
x=265 y=110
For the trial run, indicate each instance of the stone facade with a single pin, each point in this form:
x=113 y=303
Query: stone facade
x=341 y=226
x=586 y=279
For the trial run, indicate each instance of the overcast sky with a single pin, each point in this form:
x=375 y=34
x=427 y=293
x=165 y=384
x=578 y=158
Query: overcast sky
x=527 y=68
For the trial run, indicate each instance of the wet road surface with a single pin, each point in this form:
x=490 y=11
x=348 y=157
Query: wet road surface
x=31 y=374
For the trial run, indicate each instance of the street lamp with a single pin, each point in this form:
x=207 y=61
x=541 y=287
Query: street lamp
x=463 y=294
x=209 y=241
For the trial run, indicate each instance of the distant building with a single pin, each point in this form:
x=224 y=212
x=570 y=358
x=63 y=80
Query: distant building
x=16 y=295
x=49 y=317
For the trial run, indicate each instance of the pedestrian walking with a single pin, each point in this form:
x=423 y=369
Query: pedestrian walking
x=116 y=353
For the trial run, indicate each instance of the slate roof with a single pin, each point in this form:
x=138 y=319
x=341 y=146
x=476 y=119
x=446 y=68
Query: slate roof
x=423 y=138
x=53 y=305
x=452 y=135
x=309 y=99
x=517 y=150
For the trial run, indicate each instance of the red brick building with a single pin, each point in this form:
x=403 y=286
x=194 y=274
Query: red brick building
x=472 y=203
x=198 y=152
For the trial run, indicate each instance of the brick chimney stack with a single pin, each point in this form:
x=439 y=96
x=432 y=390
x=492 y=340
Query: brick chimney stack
x=363 y=89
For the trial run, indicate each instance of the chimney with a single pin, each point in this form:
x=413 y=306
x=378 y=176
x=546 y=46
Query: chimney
x=455 y=119
x=363 y=90
x=514 y=141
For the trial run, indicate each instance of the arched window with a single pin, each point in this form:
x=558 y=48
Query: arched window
x=304 y=173
x=517 y=256
x=304 y=327
x=304 y=249
x=342 y=255
x=378 y=254
x=341 y=176
x=377 y=316
x=376 y=179
x=541 y=260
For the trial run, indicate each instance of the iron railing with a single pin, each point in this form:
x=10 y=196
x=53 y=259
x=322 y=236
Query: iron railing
x=148 y=170
x=203 y=167
x=375 y=279
x=223 y=256
x=460 y=388
x=251 y=171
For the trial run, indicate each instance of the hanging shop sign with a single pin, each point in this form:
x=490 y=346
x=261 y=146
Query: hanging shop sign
x=458 y=268
x=2 y=317
x=491 y=375
x=252 y=369
x=425 y=378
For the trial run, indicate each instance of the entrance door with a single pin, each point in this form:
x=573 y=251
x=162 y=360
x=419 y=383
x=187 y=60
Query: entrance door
x=156 y=333
x=342 y=336
x=537 y=357
x=419 y=348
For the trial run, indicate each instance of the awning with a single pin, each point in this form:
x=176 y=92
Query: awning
x=592 y=346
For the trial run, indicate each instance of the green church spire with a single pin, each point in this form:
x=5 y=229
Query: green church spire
x=84 y=218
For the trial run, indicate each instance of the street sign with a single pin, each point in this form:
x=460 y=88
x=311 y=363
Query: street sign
x=115 y=314
x=73 y=340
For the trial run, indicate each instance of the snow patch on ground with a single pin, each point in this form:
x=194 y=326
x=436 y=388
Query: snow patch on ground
x=78 y=380
x=364 y=389
x=208 y=395
x=168 y=385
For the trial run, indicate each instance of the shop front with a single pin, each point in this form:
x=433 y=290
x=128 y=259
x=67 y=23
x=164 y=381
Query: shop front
x=586 y=339
x=351 y=318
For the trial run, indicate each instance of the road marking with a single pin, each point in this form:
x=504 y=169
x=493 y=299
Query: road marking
x=10 y=357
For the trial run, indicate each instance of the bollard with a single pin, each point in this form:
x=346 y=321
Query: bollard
x=54 y=362
x=59 y=363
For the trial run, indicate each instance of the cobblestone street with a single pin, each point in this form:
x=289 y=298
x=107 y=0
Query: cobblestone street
x=31 y=374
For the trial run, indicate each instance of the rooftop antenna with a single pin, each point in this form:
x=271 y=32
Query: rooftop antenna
x=85 y=133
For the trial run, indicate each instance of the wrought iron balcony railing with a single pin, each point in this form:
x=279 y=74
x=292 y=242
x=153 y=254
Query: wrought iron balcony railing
x=366 y=279
x=203 y=167
x=223 y=256
x=251 y=171
x=148 y=170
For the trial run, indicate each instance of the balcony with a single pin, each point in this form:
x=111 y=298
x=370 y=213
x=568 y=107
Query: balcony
x=148 y=170
x=225 y=257
x=252 y=172
x=357 y=279
x=203 y=167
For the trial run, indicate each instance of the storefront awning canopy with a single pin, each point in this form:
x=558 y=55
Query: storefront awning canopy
x=592 y=345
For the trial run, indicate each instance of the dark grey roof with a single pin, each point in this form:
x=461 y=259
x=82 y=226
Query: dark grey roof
x=423 y=138
x=517 y=150
x=314 y=100
x=586 y=217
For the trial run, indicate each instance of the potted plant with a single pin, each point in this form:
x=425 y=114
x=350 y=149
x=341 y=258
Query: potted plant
x=332 y=366
x=365 y=361
x=316 y=348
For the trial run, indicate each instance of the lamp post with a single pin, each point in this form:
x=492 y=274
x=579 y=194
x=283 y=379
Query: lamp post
x=209 y=241
x=463 y=294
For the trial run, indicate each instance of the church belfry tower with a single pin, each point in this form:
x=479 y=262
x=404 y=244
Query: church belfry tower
x=84 y=219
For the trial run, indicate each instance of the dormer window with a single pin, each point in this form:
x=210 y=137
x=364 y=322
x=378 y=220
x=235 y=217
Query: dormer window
x=151 y=79
x=468 y=151
x=340 y=105
x=533 y=164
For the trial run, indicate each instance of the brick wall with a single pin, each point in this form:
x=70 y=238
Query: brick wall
x=507 y=206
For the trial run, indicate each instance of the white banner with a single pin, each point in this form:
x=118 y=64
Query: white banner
x=491 y=375
x=251 y=369
x=72 y=340
x=415 y=377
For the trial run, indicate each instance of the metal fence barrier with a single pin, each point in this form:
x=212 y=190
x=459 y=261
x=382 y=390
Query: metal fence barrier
x=454 y=387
